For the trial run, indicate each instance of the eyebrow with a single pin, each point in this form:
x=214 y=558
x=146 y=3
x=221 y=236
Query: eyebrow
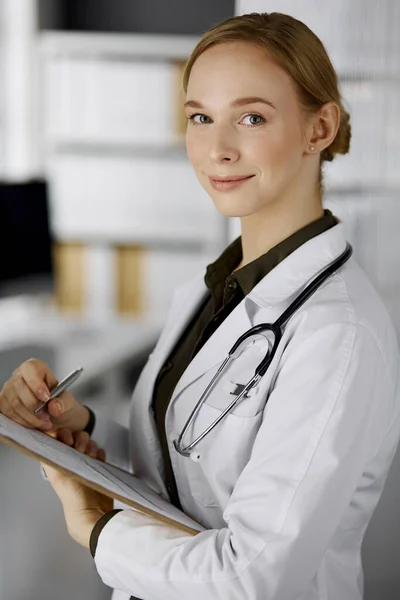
x=235 y=103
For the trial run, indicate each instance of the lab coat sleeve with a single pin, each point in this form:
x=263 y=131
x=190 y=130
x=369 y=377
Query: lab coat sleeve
x=114 y=439
x=332 y=396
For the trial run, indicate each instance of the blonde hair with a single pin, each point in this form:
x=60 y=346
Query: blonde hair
x=299 y=52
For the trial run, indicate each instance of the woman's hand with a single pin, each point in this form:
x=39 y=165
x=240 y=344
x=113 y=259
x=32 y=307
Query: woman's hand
x=82 y=506
x=81 y=441
x=29 y=385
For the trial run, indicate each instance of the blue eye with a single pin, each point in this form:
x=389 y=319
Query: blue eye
x=257 y=119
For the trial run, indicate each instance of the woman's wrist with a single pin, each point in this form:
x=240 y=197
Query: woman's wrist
x=98 y=527
x=82 y=524
x=82 y=418
x=91 y=421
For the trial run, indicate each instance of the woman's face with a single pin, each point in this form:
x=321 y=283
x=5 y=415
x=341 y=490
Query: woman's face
x=244 y=121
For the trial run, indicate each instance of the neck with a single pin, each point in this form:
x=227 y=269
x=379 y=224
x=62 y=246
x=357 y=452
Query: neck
x=265 y=229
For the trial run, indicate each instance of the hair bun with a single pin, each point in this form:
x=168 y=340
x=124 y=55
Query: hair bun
x=341 y=143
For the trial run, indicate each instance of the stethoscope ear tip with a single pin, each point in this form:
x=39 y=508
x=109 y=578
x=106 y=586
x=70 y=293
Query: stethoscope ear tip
x=195 y=456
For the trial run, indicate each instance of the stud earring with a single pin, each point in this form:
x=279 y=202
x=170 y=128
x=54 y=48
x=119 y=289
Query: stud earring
x=312 y=148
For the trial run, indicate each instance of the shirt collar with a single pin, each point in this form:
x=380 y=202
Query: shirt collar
x=250 y=275
x=220 y=272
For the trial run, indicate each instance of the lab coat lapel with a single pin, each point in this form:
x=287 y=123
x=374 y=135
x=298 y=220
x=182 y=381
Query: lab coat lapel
x=184 y=306
x=144 y=442
x=285 y=281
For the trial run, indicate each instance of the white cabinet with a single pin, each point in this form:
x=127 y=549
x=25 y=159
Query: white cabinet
x=93 y=100
x=113 y=141
x=138 y=199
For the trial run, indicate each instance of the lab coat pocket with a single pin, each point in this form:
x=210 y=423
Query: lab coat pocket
x=219 y=459
x=234 y=379
x=249 y=406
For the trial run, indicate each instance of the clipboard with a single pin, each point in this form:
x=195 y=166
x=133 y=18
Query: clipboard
x=105 y=478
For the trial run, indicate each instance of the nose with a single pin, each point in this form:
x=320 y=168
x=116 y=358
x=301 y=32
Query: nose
x=223 y=147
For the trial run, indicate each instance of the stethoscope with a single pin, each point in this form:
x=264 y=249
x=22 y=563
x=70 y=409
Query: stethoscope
x=276 y=329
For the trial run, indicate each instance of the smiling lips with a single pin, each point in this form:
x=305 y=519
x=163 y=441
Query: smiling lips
x=229 y=182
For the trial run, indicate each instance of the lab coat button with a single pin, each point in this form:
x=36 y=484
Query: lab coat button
x=167 y=367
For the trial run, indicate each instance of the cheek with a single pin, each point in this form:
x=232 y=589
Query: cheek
x=278 y=150
x=194 y=148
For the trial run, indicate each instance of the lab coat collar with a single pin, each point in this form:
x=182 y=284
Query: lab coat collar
x=281 y=285
x=299 y=268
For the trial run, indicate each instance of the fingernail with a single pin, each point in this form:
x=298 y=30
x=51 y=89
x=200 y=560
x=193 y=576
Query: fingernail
x=47 y=425
x=58 y=406
x=43 y=395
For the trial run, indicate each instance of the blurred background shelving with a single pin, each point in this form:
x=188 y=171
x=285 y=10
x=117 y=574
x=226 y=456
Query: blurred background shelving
x=91 y=133
x=120 y=182
x=102 y=115
x=111 y=119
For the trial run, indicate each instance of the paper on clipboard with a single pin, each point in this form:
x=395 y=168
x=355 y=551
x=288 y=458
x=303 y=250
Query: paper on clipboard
x=103 y=477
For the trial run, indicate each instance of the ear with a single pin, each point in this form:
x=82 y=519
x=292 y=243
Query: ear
x=324 y=126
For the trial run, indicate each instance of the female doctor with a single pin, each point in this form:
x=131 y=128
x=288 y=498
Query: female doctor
x=286 y=483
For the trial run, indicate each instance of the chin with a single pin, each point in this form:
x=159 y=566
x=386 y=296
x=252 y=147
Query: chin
x=230 y=206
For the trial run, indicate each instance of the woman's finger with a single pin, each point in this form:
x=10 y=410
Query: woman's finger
x=92 y=449
x=81 y=441
x=13 y=408
x=65 y=436
x=35 y=373
x=28 y=399
x=95 y=452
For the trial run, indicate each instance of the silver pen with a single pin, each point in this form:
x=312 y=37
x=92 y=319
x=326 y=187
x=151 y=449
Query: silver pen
x=61 y=387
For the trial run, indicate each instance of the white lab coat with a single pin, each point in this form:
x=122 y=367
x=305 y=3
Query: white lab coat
x=286 y=488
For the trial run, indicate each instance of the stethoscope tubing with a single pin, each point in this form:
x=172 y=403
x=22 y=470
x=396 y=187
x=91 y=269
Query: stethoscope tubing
x=277 y=329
